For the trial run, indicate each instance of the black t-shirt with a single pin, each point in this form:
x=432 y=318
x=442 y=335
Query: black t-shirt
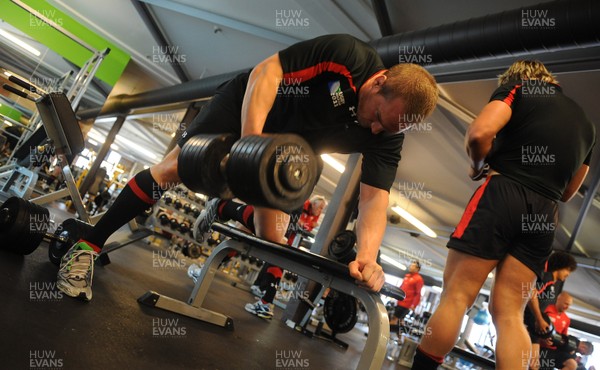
x=547 y=139
x=318 y=99
x=547 y=292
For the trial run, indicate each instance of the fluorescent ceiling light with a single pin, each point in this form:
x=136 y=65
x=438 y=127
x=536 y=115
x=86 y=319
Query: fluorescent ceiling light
x=413 y=220
x=92 y=142
x=114 y=146
x=20 y=43
x=7 y=123
x=333 y=163
x=393 y=262
x=130 y=144
x=95 y=135
x=7 y=73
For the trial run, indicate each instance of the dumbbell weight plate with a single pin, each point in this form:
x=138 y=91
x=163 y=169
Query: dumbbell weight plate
x=276 y=171
x=71 y=231
x=22 y=225
x=194 y=251
x=199 y=164
x=341 y=311
x=341 y=247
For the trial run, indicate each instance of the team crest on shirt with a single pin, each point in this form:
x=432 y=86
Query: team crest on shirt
x=337 y=96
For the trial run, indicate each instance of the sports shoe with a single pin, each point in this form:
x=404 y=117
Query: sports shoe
x=194 y=272
x=260 y=309
x=255 y=289
x=76 y=271
x=206 y=218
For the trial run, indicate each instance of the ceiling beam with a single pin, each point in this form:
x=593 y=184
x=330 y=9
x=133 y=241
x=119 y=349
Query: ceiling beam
x=383 y=17
x=158 y=33
x=225 y=21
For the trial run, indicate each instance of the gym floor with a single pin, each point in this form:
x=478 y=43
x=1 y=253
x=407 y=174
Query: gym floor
x=42 y=328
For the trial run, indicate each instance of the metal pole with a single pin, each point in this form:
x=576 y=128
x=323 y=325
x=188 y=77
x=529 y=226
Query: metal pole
x=110 y=138
x=339 y=211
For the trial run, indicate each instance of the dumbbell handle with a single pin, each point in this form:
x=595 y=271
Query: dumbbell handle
x=56 y=238
x=393 y=292
x=16 y=91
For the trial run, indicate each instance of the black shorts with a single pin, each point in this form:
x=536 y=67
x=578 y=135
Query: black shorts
x=504 y=217
x=400 y=312
x=223 y=112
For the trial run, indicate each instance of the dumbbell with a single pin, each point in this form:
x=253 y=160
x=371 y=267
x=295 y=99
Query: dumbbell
x=187 y=208
x=275 y=171
x=184 y=227
x=177 y=204
x=168 y=199
x=173 y=223
x=195 y=212
x=163 y=219
x=342 y=247
x=23 y=226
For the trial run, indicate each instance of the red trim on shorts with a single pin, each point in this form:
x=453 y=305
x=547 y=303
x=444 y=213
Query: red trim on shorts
x=311 y=72
x=139 y=192
x=470 y=210
x=511 y=96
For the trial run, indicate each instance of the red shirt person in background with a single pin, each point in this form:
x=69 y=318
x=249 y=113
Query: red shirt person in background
x=411 y=285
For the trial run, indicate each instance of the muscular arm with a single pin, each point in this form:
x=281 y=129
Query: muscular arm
x=260 y=95
x=575 y=183
x=370 y=228
x=534 y=305
x=480 y=135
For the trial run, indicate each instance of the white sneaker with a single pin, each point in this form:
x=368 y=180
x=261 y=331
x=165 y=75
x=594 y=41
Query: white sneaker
x=76 y=272
x=260 y=309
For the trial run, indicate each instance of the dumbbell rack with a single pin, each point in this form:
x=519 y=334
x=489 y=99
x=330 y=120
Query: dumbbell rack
x=163 y=207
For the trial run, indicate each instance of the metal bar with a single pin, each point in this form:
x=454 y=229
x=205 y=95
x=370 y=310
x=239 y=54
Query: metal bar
x=187 y=91
x=248 y=28
x=54 y=25
x=51 y=197
x=75 y=195
x=110 y=138
x=383 y=17
x=149 y=19
x=374 y=351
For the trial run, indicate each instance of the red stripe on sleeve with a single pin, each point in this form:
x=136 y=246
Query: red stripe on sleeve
x=511 y=96
x=311 y=72
x=470 y=210
x=139 y=192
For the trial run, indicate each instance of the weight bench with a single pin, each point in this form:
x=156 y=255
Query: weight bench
x=315 y=267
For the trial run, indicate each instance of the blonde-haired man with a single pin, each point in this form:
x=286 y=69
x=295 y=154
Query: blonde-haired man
x=537 y=143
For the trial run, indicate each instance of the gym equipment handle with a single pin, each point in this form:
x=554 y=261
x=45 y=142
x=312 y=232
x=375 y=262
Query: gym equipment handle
x=15 y=91
x=393 y=292
x=22 y=83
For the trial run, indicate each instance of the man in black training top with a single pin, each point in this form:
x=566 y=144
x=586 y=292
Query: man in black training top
x=336 y=93
x=538 y=144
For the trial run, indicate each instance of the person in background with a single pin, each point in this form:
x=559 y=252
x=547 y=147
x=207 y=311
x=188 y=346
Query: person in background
x=510 y=221
x=411 y=285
